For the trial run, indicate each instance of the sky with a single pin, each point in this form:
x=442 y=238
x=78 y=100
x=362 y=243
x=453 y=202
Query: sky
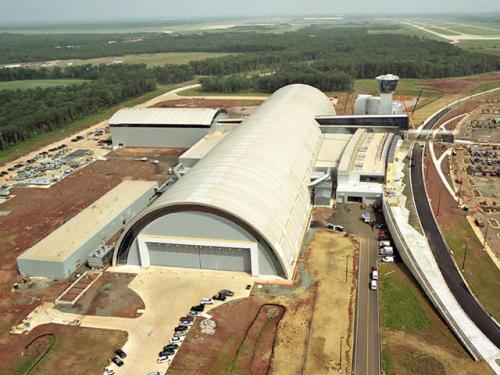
x=48 y=11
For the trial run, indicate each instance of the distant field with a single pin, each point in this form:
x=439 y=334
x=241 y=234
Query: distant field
x=443 y=31
x=41 y=83
x=154 y=59
x=472 y=30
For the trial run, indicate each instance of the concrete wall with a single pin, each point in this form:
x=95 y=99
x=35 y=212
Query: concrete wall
x=60 y=269
x=156 y=136
x=192 y=224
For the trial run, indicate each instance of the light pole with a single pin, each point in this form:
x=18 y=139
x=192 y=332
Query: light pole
x=485 y=234
x=346 y=267
x=465 y=255
x=340 y=354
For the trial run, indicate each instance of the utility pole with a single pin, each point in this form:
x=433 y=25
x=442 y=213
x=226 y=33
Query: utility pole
x=486 y=234
x=439 y=203
x=465 y=255
x=346 y=267
x=340 y=354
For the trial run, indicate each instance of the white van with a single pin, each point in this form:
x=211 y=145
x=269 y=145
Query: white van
x=374 y=275
x=373 y=284
x=384 y=243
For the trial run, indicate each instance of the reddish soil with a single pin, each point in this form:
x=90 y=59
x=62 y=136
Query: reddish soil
x=345 y=104
x=469 y=106
x=235 y=107
x=214 y=354
x=462 y=85
x=77 y=351
x=35 y=212
x=109 y=296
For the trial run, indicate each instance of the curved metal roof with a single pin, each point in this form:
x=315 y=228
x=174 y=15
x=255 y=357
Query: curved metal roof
x=260 y=171
x=166 y=116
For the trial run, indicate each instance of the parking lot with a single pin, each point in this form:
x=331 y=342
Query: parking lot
x=168 y=294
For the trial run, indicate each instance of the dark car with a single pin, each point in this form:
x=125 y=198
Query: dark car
x=226 y=292
x=171 y=347
x=219 y=297
x=117 y=361
x=181 y=328
x=120 y=353
x=382 y=226
x=166 y=353
x=198 y=308
x=187 y=317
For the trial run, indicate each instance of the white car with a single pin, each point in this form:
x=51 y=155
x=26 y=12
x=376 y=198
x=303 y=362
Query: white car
x=374 y=275
x=384 y=243
x=388 y=259
x=162 y=359
x=335 y=227
x=373 y=284
x=109 y=371
x=206 y=301
x=175 y=339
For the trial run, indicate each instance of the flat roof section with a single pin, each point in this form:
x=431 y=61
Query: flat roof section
x=166 y=116
x=203 y=146
x=331 y=149
x=70 y=236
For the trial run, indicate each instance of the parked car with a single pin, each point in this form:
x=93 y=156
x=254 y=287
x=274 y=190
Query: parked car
x=226 y=292
x=335 y=227
x=156 y=373
x=120 y=353
x=162 y=359
x=187 y=317
x=117 y=361
x=175 y=339
x=171 y=346
x=384 y=243
x=374 y=273
x=373 y=284
x=386 y=250
x=365 y=217
x=194 y=313
x=198 y=308
x=381 y=226
x=188 y=323
x=388 y=259
x=206 y=301
x=219 y=297
x=109 y=371
x=181 y=328
x=180 y=333
x=165 y=353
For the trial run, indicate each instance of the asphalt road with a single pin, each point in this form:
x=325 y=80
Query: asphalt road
x=444 y=259
x=367 y=337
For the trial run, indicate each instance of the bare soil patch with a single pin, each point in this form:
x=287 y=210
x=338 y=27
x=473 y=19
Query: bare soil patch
x=462 y=85
x=235 y=107
x=77 y=350
x=108 y=296
x=35 y=212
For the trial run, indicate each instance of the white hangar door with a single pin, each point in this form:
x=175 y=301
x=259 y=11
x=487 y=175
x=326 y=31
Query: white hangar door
x=199 y=256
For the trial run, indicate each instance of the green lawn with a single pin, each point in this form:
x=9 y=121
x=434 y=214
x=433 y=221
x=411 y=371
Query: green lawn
x=485 y=87
x=472 y=30
x=442 y=31
x=409 y=87
x=155 y=59
x=44 y=139
x=41 y=83
x=480 y=272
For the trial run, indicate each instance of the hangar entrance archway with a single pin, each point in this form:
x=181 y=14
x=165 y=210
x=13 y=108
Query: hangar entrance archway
x=241 y=256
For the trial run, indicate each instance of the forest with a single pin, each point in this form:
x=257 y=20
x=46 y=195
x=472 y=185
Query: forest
x=329 y=58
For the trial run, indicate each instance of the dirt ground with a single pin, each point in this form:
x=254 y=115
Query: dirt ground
x=108 y=296
x=319 y=309
x=76 y=351
x=235 y=107
x=345 y=104
x=462 y=85
x=35 y=212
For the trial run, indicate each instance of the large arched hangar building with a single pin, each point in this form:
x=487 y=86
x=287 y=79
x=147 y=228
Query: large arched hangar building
x=246 y=205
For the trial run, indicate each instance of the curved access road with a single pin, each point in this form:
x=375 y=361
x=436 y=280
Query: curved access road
x=443 y=257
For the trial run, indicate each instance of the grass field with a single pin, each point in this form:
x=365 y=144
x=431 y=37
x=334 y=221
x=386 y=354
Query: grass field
x=199 y=92
x=414 y=338
x=480 y=271
x=408 y=87
x=41 y=140
x=474 y=30
x=443 y=31
x=153 y=59
x=39 y=83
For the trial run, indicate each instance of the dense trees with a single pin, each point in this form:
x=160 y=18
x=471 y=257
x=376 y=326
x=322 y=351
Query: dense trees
x=25 y=113
x=272 y=81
